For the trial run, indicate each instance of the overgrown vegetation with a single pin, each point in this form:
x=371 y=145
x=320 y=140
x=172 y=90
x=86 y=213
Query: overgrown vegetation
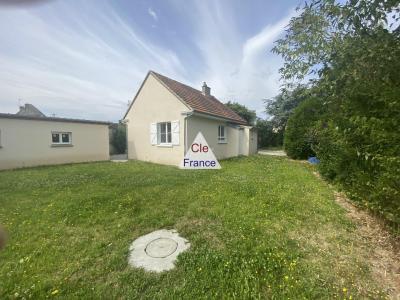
x=252 y=234
x=352 y=51
x=118 y=139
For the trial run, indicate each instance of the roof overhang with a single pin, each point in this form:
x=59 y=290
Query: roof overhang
x=52 y=119
x=214 y=117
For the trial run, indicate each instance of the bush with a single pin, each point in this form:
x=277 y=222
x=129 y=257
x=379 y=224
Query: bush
x=362 y=154
x=118 y=139
x=300 y=129
x=268 y=134
x=360 y=146
x=370 y=177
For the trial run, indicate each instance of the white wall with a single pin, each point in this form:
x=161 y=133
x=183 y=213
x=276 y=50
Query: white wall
x=253 y=141
x=28 y=143
x=244 y=143
x=154 y=103
x=209 y=129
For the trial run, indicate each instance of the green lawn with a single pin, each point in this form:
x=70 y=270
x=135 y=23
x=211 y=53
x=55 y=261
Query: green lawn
x=261 y=227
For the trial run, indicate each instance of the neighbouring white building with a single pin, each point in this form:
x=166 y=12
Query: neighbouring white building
x=29 y=138
x=166 y=115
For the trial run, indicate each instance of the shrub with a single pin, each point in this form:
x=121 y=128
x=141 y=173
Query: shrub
x=300 y=129
x=268 y=134
x=371 y=178
x=118 y=139
x=360 y=146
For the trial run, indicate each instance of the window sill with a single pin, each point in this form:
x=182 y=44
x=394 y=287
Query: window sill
x=61 y=145
x=164 y=145
x=222 y=142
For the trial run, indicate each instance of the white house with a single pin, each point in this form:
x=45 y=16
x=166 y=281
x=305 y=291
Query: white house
x=29 y=138
x=166 y=115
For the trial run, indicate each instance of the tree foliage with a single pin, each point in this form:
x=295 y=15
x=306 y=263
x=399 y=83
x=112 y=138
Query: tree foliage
x=282 y=106
x=268 y=136
x=247 y=114
x=300 y=134
x=118 y=139
x=279 y=110
x=351 y=55
x=313 y=38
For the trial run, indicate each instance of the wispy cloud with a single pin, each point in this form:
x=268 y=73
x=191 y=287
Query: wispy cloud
x=90 y=70
x=153 y=14
x=238 y=69
x=89 y=62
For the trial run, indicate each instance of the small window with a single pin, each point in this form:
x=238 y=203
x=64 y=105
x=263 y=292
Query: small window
x=61 y=138
x=164 y=133
x=65 y=138
x=221 y=134
x=55 y=138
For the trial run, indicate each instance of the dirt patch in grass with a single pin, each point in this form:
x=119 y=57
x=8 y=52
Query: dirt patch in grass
x=333 y=252
x=383 y=248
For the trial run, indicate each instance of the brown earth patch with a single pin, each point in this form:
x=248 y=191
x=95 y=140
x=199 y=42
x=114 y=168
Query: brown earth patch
x=382 y=248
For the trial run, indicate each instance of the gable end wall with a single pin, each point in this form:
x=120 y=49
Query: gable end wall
x=154 y=103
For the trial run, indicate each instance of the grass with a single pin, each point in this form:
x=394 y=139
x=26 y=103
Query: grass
x=261 y=227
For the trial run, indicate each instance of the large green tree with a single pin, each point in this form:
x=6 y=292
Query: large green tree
x=279 y=110
x=246 y=113
x=280 y=107
x=268 y=136
x=314 y=38
x=350 y=53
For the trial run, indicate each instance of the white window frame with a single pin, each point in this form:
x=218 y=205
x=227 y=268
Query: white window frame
x=168 y=142
x=60 y=142
x=222 y=134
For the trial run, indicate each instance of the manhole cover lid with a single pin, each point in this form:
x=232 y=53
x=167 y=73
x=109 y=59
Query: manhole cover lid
x=161 y=247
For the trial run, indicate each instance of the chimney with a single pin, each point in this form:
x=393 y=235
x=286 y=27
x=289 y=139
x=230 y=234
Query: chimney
x=205 y=89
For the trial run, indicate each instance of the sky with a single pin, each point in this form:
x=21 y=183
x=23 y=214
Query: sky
x=87 y=59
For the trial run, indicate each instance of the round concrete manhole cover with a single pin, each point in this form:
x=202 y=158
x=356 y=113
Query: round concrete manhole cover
x=157 y=251
x=161 y=247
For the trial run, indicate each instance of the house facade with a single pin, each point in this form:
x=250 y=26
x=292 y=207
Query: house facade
x=165 y=116
x=32 y=140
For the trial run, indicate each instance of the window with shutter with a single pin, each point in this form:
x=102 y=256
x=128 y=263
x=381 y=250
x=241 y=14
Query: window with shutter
x=165 y=133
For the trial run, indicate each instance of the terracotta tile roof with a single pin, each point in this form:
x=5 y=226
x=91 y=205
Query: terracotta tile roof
x=199 y=102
